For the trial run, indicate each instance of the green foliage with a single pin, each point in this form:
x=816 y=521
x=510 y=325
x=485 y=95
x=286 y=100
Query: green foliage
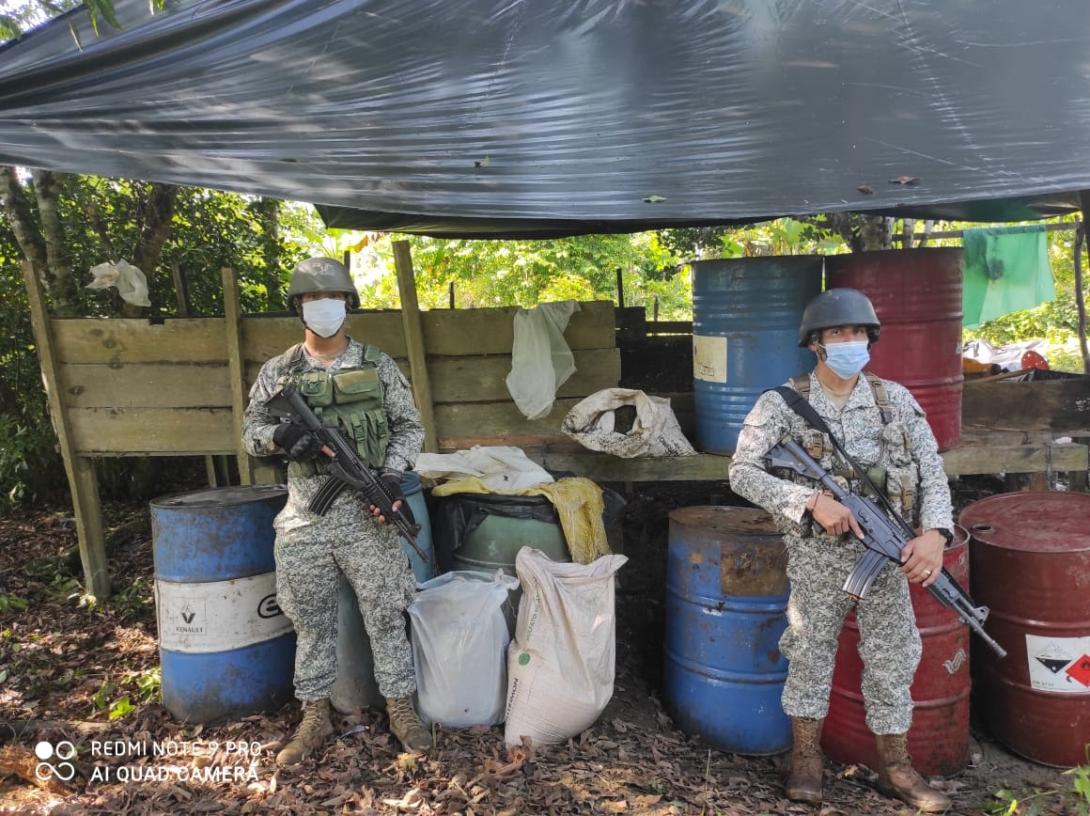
x=12 y=603
x=1080 y=786
x=148 y=684
x=1007 y=803
x=102 y=220
x=525 y=273
x=121 y=707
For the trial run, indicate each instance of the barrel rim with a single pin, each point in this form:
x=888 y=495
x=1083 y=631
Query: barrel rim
x=678 y=514
x=983 y=532
x=849 y=257
x=175 y=501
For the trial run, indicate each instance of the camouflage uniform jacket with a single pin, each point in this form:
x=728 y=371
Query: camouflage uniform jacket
x=906 y=443
x=406 y=431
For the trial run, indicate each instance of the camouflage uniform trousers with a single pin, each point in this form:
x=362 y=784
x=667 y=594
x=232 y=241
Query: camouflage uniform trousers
x=308 y=562
x=889 y=640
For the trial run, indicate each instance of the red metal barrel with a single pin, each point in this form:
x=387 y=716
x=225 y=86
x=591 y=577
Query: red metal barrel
x=939 y=737
x=1031 y=565
x=917 y=294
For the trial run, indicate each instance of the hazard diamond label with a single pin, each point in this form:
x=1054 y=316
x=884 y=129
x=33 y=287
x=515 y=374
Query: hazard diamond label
x=1079 y=671
x=1059 y=665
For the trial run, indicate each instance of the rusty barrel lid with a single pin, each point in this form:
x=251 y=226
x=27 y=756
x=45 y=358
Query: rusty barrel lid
x=718 y=519
x=1038 y=522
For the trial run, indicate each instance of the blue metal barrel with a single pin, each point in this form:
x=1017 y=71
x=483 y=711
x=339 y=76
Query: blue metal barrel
x=746 y=315
x=355 y=686
x=225 y=647
x=726 y=597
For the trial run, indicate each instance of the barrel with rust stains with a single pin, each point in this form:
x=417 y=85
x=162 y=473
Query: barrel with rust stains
x=225 y=646
x=939 y=737
x=917 y=295
x=1031 y=566
x=726 y=597
x=746 y=314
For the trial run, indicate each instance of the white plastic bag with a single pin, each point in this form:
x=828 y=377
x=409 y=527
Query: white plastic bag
x=655 y=432
x=459 y=640
x=500 y=467
x=129 y=280
x=541 y=361
x=560 y=664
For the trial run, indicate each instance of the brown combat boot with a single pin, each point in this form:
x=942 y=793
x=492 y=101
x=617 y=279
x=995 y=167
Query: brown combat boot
x=310 y=734
x=897 y=777
x=406 y=725
x=804 y=778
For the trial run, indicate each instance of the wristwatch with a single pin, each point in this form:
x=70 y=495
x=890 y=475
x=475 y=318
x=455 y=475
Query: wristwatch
x=947 y=534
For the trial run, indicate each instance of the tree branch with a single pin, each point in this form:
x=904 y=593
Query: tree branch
x=158 y=211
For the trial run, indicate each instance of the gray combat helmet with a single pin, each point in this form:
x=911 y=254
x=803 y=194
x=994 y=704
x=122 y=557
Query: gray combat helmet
x=839 y=307
x=320 y=275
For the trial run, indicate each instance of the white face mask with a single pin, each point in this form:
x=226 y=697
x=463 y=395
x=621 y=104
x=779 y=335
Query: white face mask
x=324 y=317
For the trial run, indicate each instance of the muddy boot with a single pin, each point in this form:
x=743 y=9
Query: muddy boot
x=310 y=734
x=897 y=777
x=406 y=725
x=804 y=779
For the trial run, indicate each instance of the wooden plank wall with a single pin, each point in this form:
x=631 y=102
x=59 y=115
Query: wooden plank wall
x=133 y=387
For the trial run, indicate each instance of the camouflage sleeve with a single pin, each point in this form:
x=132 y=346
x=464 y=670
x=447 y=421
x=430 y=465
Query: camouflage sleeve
x=406 y=427
x=257 y=423
x=936 y=508
x=764 y=427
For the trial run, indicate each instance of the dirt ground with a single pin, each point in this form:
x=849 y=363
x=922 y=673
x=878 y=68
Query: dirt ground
x=86 y=673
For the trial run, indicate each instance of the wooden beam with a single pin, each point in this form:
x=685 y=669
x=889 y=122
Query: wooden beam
x=153 y=431
x=414 y=342
x=82 y=479
x=1059 y=406
x=118 y=341
x=1054 y=226
x=233 y=332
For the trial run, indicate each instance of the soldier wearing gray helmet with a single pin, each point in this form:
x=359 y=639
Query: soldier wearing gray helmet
x=883 y=428
x=359 y=389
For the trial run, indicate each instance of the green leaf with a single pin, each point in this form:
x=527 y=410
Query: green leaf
x=122 y=707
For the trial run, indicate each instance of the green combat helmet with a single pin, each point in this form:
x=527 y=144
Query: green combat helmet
x=839 y=307
x=320 y=275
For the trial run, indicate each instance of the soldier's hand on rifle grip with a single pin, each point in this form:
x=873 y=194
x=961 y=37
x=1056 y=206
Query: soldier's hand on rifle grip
x=297 y=442
x=834 y=517
x=391 y=480
x=921 y=559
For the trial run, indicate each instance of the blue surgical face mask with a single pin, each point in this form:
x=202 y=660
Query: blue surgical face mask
x=847 y=359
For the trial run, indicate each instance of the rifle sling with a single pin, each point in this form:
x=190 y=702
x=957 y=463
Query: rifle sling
x=801 y=406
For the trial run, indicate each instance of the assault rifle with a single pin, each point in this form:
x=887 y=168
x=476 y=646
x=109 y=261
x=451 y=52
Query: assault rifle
x=346 y=469
x=884 y=540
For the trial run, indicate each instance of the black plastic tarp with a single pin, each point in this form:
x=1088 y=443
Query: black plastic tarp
x=518 y=118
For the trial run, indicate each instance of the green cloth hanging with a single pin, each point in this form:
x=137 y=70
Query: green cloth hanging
x=1006 y=270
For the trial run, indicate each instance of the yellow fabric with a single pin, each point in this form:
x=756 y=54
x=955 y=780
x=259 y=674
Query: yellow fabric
x=578 y=503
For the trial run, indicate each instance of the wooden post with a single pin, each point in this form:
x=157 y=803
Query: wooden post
x=620 y=288
x=237 y=370
x=450 y=291
x=82 y=478
x=414 y=341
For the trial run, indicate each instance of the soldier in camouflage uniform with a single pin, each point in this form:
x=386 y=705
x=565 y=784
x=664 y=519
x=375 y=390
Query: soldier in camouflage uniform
x=360 y=389
x=883 y=428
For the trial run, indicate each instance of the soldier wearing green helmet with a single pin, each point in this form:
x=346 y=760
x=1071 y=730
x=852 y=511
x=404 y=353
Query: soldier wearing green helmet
x=359 y=389
x=883 y=428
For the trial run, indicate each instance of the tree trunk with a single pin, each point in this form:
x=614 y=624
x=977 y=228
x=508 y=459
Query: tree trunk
x=875 y=232
x=158 y=211
x=47 y=190
x=19 y=217
x=268 y=213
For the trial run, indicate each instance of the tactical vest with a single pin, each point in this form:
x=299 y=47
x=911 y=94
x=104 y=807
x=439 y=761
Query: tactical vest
x=350 y=399
x=895 y=472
